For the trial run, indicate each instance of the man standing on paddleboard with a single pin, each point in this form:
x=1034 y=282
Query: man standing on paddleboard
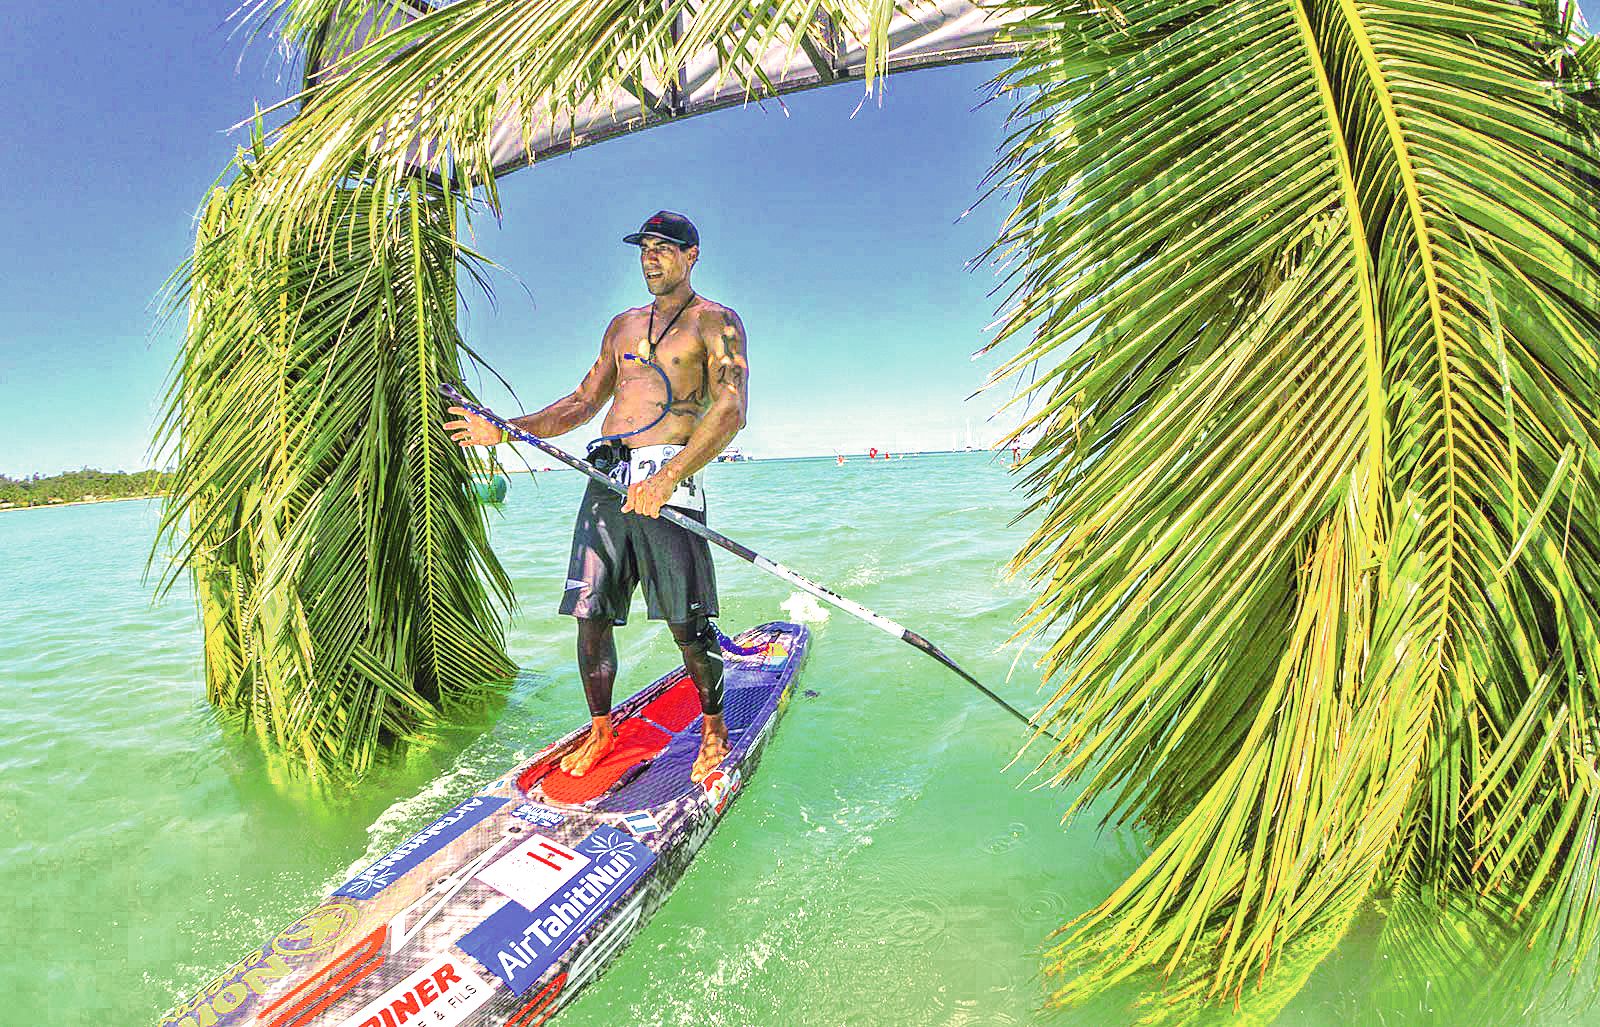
x=676 y=374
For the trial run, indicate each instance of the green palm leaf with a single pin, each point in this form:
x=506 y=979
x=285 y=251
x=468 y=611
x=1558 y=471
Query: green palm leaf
x=1314 y=294
x=431 y=92
x=340 y=558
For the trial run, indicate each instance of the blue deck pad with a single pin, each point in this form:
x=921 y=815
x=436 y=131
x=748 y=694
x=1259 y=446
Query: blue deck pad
x=519 y=944
x=749 y=698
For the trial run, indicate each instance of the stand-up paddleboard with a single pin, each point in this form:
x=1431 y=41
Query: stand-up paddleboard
x=502 y=909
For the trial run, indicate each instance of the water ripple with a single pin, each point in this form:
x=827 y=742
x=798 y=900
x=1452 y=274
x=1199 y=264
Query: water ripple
x=878 y=870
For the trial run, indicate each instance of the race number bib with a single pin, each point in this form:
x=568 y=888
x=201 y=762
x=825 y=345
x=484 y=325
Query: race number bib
x=647 y=460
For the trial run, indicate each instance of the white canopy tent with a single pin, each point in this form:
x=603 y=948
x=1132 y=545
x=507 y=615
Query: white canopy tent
x=923 y=34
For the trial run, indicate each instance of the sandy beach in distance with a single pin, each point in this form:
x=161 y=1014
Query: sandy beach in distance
x=81 y=502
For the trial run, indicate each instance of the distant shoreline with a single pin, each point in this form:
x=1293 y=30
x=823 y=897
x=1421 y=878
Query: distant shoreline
x=851 y=456
x=522 y=470
x=80 y=502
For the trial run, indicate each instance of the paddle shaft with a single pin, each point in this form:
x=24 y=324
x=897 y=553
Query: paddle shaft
x=743 y=552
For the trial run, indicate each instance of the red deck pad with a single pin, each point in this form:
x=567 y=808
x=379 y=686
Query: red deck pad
x=636 y=742
x=676 y=708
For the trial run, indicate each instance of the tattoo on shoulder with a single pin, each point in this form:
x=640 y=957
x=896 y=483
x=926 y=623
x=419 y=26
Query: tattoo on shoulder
x=730 y=374
x=731 y=342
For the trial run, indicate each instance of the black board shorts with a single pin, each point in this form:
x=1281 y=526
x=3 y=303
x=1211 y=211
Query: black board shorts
x=613 y=551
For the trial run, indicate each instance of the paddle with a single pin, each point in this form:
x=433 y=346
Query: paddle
x=827 y=595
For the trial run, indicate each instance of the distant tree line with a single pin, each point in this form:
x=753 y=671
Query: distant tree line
x=81 y=486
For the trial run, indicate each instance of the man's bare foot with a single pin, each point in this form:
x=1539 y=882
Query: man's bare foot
x=713 y=747
x=592 y=750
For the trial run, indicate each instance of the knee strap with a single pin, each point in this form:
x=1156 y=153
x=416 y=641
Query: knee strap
x=702 y=658
x=699 y=634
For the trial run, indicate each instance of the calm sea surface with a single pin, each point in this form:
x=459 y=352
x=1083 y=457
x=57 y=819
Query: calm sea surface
x=884 y=867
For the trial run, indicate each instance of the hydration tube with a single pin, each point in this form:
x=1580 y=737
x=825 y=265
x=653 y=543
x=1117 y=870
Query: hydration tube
x=651 y=341
x=728 y=645
x=646 y=361
x=749 y=555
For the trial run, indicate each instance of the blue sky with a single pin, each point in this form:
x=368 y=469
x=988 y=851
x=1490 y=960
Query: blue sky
x=836 y=239
x=835 y=236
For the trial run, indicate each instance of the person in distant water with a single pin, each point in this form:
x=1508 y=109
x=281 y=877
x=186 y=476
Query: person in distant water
x=676 y=374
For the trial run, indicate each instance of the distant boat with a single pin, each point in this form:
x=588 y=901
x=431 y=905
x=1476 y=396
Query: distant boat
x=490 y=488
x=733 y=455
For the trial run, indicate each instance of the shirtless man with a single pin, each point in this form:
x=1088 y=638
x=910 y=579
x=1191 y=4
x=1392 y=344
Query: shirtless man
x=698 y=348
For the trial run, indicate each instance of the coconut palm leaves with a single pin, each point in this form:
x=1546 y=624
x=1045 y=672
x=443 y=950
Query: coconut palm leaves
x=430 y=92
x=1316 y=287
x=339 y=558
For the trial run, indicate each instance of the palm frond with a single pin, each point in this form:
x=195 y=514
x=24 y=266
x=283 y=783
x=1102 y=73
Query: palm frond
x=348 y=587
x=1315 y=473
x=430 y=93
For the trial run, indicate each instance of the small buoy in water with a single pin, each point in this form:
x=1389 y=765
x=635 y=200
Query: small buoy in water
x=490 y=488
x=803 y=609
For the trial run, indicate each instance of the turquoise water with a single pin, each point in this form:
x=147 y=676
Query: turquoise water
x=882 y=868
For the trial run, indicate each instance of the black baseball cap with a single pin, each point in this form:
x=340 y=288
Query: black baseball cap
x=668 y=225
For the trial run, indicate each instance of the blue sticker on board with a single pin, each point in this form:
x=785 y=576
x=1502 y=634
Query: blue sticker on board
x=543 y=816
x=641 y=823
x=518 y=943
x=410 y=853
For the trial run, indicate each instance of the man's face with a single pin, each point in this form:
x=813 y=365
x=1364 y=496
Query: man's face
x=665 y=266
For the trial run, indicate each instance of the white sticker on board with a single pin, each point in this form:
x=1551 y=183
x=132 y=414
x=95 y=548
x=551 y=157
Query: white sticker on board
x=442 y=994
x=534 y=870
